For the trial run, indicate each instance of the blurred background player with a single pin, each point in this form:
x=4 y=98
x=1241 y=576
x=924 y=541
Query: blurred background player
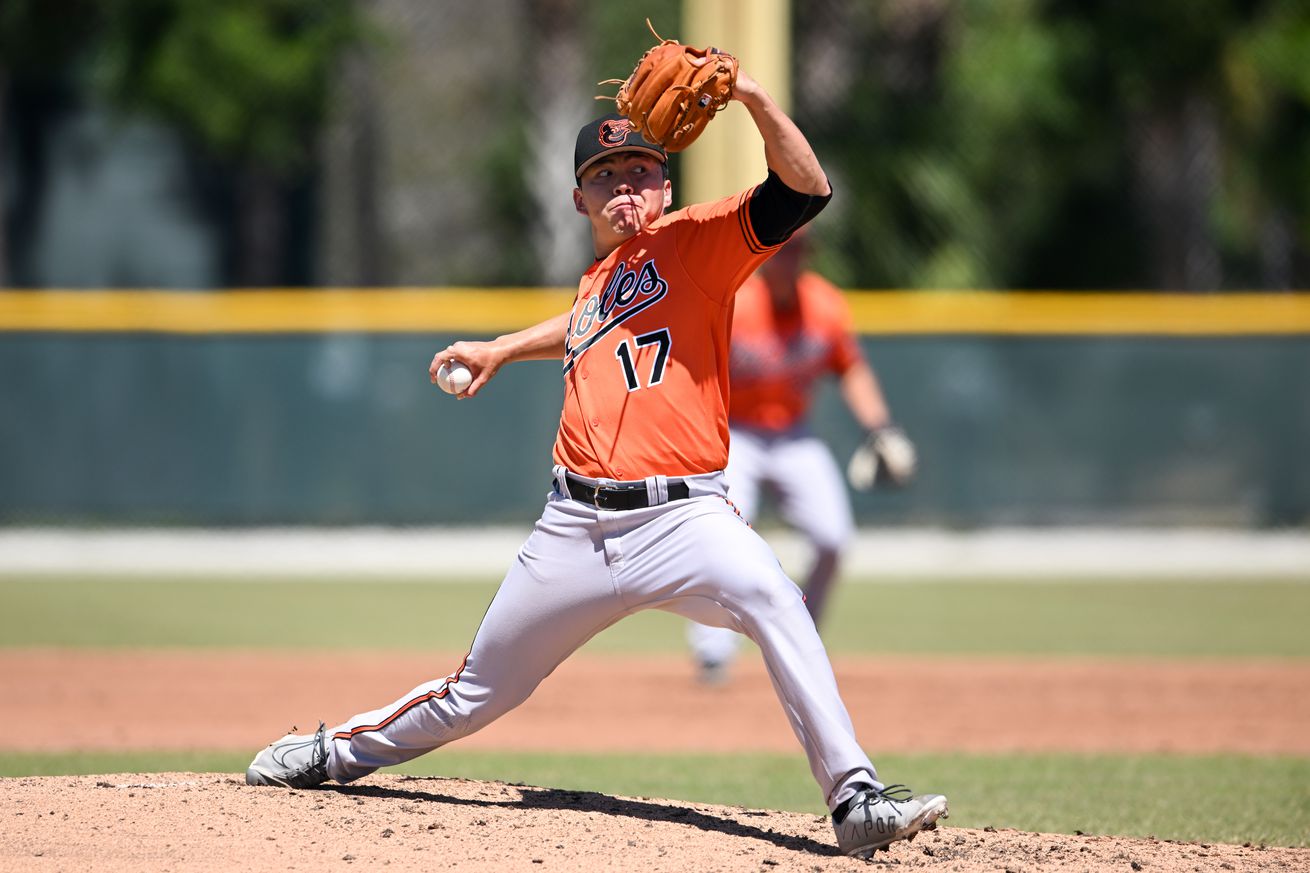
x=791 y=328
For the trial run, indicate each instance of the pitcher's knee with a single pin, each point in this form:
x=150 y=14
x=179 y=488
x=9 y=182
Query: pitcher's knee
x=763 y=589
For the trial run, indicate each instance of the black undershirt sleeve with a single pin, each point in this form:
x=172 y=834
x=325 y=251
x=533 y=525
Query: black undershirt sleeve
x=777 y=211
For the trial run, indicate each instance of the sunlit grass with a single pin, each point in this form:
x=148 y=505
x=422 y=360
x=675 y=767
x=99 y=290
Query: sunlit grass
x=1242 y=618
x=1229 y=799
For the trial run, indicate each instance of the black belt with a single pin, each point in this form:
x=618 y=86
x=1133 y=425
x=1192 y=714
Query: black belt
x=621 y=496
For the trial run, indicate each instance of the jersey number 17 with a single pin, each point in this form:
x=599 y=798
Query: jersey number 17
x=628 y=357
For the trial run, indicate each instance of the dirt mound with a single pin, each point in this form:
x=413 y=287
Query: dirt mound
x=188 y=821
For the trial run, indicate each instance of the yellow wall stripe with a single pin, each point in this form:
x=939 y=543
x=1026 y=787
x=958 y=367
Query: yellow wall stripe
x=1052 y=313
x=410 y=310
x=494 y=311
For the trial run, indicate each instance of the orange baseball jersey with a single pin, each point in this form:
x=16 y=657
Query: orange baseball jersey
x=646 y=356
x=778 y=356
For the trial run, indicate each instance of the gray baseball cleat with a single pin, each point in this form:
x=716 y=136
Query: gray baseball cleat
x=876 y=818
x=292 y=762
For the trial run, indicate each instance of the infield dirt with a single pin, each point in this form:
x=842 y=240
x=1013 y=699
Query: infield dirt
x=120 y=700
x=194 y=822
x=187 y=699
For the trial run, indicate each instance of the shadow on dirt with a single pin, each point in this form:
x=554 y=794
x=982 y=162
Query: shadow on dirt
x=532 y=797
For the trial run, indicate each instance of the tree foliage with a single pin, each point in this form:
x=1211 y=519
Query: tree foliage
x=248 y=79
x=1017 y=144
x=38 y=38
x=973 y=143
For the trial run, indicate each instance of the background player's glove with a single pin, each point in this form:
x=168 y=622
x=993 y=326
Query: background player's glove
x=674 y=91
x=885 y=457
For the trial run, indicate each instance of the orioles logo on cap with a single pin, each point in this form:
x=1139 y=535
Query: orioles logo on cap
x=614 y=132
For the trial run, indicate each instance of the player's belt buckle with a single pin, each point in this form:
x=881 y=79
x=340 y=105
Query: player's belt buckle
x=614 y=498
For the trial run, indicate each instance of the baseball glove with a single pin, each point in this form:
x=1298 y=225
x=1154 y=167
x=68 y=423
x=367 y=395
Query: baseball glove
x=674 y=91
x=886 y=457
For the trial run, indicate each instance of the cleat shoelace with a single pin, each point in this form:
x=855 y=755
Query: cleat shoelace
x=893 y=794
x=897 y=793
x=316 y=769
x=319 y=757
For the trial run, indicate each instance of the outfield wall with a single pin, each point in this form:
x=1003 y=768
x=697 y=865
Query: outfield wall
x=314 y=412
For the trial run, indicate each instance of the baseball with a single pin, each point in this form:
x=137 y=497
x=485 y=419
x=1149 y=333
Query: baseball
x=453 y=377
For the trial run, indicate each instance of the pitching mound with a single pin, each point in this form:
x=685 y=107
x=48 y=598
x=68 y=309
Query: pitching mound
x=188 y=821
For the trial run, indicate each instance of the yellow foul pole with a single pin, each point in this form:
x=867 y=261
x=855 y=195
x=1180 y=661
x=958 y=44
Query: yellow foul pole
x=729 y=156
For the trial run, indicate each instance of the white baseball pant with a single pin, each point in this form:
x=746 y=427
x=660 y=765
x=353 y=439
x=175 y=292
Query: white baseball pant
x=583 y=569
x=812 y=498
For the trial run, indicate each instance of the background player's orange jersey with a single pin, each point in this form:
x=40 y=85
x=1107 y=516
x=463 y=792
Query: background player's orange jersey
x=778 y=356
x=647 y=347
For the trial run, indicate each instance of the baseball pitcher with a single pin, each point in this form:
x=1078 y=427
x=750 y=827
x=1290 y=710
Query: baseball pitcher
x=637 y=516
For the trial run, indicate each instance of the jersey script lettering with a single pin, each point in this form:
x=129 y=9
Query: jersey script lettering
x=627 y=293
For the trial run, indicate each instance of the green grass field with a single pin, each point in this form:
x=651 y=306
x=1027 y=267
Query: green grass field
x=1245 y=618
x=1205 y=798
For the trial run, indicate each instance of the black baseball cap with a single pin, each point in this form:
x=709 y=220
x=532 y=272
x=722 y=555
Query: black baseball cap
x=607 y=135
